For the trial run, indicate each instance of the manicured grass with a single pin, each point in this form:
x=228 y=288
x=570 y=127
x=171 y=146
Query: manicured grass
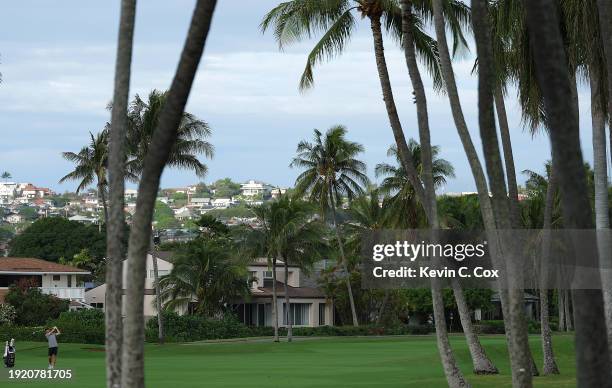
x=408 y=361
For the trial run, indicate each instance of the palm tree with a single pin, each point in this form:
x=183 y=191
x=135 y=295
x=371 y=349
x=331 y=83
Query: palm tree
x=206 y=276
x=543 y=189
x=405 y=212
x=143 y=118
x=295 y=20
x=592 y=352
x=287 y=234
x=331 y=172
x=6 y=175
x=158 y=154
x=91 y=162
x=115 y=224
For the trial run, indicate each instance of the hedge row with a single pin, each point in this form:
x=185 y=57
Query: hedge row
x=497 y=327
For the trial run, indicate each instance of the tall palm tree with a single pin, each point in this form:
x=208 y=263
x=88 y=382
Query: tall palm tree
x=206 y=276
x=331 y=173
x=143 y=117
x=6 y=175
x=553 y=74
x=158 y=154
x=335 y=20
x=115 y=224
x=91 y=162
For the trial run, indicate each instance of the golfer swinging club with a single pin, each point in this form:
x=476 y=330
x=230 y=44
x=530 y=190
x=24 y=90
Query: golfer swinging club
x=51 y=334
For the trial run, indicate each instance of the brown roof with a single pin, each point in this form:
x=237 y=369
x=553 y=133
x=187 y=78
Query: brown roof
x=28 y=264
x=294 y=292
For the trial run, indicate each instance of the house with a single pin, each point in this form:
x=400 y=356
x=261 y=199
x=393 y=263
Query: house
x=309 y=306
x=199 y=202
x=96 y=296
x=15 y=218
x=30 y=192
x=62 y=281
x=277 y=192
x=8 y=192
x=222 y=203
x=83 y=219
x=130 y=194
x=253 y=188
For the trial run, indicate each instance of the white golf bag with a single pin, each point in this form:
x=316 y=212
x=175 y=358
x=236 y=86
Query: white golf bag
x=9 y=353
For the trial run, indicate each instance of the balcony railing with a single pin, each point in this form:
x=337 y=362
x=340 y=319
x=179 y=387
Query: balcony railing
x=70 y=293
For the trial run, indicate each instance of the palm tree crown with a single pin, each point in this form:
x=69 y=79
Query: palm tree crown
x=331 y=170
x=143 y=117
x=90 y=162
x=335 y=20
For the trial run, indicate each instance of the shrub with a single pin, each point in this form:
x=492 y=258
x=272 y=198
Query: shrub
x=32 y=307
x=497 y=327
x=7 y=314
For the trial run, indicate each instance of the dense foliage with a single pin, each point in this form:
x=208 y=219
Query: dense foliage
x=32 y=307
x=53 y=238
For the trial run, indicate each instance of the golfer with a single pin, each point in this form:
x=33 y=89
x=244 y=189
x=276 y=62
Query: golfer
x=51 y=334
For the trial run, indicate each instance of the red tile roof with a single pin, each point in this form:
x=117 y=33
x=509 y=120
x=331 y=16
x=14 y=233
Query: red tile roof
x=28 y=264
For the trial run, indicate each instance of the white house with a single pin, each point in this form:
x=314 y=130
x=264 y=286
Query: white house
x=14 y=218
x=8 y=192
x=96 y=296
x=222 y=203
x=253 y=188
x=130 y=194
x=83 y=219
x=63 y=281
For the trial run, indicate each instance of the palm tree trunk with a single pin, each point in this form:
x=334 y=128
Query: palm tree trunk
x=344 y=263
x=394 y=121
x=504 y=130
x=104 y=205
x=481 y=363
x=592 y=352
x=567 y=300
x=158 y=304
x=550 y=365
x=600 y=164
x=605 y=27
x=274 y=302
x=519 y=346
x=132 y=374
x=288 y=315
x=453 y=374
x=561 y=308
x=115 y=224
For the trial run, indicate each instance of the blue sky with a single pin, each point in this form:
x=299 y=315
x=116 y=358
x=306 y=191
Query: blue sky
x=57 y=60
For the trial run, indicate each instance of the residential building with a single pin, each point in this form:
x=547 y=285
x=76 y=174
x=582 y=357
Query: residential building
x=96 y=296
x=309 y=306
x=130 y=194
x=62 y=281
x=8 y=192
x=253 y=188
x=222 y=203
x=83 y=219
x=277 y=192
x=15 y=218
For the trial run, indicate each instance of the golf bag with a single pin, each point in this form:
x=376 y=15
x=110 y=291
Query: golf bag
x=9 y=354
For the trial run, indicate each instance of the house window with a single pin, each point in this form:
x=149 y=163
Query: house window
x=69 y=280
x=321 y=314
x=56 y=278
x=300 y=313
x=267 y=275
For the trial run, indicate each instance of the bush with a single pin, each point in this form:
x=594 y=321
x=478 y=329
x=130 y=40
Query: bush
x=32 y=307
x=7 y=314
x=196 y=328
x=497 y=327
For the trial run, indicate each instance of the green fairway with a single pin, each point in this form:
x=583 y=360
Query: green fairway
x=410 y=361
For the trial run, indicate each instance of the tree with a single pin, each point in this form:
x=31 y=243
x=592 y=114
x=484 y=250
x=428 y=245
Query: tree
x=91 y=162
x=115 y=242
x=331 y=172
x=592 y=352
x=404 y=210
x=158 y=154
x=54 y=238
x=163 y=217
x=143 y=118
x=6 y=175
x=206 y=277
x=32 y=307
